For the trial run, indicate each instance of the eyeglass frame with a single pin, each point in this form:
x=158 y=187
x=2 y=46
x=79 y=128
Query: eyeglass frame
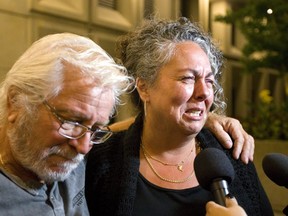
x=108 y=132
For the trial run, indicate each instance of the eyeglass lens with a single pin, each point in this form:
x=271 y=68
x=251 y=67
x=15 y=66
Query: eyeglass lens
x=70 y=130
x=100 y=136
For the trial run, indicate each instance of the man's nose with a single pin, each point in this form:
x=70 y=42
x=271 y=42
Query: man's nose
x=82 y=145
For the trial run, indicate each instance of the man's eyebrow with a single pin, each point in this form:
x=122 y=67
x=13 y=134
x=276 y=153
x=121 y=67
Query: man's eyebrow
x=71 y=113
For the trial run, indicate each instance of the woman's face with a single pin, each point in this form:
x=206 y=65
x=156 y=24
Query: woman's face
x=183 y=92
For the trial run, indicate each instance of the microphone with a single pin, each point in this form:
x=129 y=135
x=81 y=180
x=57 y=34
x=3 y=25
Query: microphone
x=275 y=166
x=214 y=172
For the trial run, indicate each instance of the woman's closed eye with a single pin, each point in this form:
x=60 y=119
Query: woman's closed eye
x=188 y=79
x=210 y=81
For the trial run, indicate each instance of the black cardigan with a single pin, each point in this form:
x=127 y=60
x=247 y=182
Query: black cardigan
x=113 y=169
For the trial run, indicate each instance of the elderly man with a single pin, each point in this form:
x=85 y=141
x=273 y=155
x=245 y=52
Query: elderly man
x=54 y=104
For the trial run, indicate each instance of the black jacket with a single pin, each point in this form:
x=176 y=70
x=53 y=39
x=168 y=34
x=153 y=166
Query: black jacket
x=113 y=169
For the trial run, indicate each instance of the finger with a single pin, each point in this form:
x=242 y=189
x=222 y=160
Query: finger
x=238 y=138
x=240 y=149
x=248 y=149
x=243 y=142
x=231 y=201
x=234 y=208
x=222 y=135
x=224 y=138
x=211 y=206
x=228 y=131
x=244 y=145
x=252 y=150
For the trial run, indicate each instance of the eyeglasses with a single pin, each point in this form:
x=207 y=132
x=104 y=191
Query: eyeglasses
x=75 y=130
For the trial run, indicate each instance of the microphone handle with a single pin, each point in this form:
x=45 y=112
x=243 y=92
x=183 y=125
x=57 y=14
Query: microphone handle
x=219 y=188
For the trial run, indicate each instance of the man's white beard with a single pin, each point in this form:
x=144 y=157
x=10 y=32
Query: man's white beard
x=34 y=158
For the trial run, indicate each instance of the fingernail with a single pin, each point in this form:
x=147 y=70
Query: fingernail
x=229 y=141
x=230 y=196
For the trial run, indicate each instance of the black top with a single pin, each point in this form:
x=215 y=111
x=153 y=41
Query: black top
x=154 y=200
x=112 y=178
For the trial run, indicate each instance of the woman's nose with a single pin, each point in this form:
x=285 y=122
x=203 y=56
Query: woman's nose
x=201 y=90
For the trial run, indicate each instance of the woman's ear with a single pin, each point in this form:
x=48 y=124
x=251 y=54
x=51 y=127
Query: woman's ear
x=142 y=88
x=12 y=108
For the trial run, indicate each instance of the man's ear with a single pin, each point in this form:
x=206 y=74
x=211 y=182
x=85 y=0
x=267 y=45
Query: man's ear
x=12 y=107
x=142 y=88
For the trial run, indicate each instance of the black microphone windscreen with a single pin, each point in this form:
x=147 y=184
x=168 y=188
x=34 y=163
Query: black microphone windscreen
x=210 y=164
x=275 y=166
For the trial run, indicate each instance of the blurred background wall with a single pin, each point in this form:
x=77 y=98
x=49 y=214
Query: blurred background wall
x=24 y=21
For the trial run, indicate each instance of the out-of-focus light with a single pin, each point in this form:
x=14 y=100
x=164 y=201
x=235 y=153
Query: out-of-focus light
x=269 y=11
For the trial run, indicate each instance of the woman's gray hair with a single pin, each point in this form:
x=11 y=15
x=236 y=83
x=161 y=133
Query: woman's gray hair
x=152 y=45
x=38 y=74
